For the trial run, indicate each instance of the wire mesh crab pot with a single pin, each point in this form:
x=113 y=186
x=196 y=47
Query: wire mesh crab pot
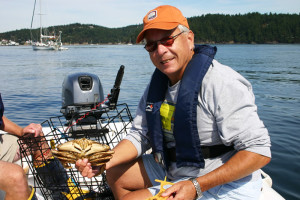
x=53 y=181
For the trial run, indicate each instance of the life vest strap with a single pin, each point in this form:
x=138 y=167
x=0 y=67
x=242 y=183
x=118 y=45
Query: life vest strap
x=207 y=151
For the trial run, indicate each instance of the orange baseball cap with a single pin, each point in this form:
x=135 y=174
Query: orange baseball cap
x=163 y=17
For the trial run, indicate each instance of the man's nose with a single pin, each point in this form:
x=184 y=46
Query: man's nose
x=161 y=48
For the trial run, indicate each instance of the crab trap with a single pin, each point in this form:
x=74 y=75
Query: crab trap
x=49 y=177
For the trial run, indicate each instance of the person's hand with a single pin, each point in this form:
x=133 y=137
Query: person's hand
x=183 y=190
x=86 y=169
x=33 y=129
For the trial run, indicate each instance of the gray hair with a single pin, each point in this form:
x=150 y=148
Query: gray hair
x=183 y=28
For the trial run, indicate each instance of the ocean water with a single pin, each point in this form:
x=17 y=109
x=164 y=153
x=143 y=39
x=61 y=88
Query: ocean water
x=31 y=85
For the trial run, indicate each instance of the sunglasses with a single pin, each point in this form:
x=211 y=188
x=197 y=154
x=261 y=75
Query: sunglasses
x=166 y=41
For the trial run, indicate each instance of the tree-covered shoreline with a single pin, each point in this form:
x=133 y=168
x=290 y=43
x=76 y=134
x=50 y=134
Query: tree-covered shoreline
x=210 y=28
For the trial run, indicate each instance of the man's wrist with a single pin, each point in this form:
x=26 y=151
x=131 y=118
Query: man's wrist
x=197 y=187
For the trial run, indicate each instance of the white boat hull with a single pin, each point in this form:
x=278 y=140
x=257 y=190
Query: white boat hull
x=267 y=192
x=40 y=47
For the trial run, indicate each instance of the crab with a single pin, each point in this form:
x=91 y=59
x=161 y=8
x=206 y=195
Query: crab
x=71 y=151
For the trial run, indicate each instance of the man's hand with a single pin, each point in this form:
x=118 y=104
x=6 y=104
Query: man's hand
x=34 y=129
x=183 y=190
x=86 y=169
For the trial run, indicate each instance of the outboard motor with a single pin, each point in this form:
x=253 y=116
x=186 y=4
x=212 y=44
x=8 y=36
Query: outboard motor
x=80 y=93
x=83 y=92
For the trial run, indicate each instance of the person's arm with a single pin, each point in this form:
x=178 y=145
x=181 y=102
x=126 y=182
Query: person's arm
x=240 y=165
x=125 y=151
x=12 y=128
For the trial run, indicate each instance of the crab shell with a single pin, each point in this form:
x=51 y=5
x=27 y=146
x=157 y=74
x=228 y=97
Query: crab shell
x=71 y=151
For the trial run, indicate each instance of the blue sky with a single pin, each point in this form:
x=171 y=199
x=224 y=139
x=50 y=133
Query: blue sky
x=16 y=14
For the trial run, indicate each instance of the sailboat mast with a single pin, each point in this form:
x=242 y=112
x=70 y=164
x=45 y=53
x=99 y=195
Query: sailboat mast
x=41 y=30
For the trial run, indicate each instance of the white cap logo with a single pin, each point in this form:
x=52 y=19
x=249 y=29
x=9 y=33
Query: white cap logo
x=152 y=15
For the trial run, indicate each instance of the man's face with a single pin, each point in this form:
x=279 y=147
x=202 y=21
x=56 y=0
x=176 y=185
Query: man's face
x=171 y=60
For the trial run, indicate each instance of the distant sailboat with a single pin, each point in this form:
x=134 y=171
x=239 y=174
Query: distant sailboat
x=59 y=43
x=46 y=41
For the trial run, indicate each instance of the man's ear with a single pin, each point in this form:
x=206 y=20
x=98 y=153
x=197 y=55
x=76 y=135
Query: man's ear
x=191 y=40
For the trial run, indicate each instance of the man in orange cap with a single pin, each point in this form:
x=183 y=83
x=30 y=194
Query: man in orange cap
x=197 y=116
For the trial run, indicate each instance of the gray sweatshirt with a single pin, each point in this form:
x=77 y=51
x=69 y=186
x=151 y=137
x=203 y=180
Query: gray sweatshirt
x=226 y=114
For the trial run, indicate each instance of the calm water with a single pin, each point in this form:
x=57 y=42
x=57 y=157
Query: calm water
x=31 y=82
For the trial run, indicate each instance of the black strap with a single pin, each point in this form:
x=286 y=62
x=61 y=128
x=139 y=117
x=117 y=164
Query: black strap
x=215 y=151
x=207 y=151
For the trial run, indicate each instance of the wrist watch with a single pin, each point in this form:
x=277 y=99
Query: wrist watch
x=197 y=187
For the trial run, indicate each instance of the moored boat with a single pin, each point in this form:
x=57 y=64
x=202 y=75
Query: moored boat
x=43 y=46
x=46 y=41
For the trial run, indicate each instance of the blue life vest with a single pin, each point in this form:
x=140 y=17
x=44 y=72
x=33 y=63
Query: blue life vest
x=1 y=111
x=188 y=149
